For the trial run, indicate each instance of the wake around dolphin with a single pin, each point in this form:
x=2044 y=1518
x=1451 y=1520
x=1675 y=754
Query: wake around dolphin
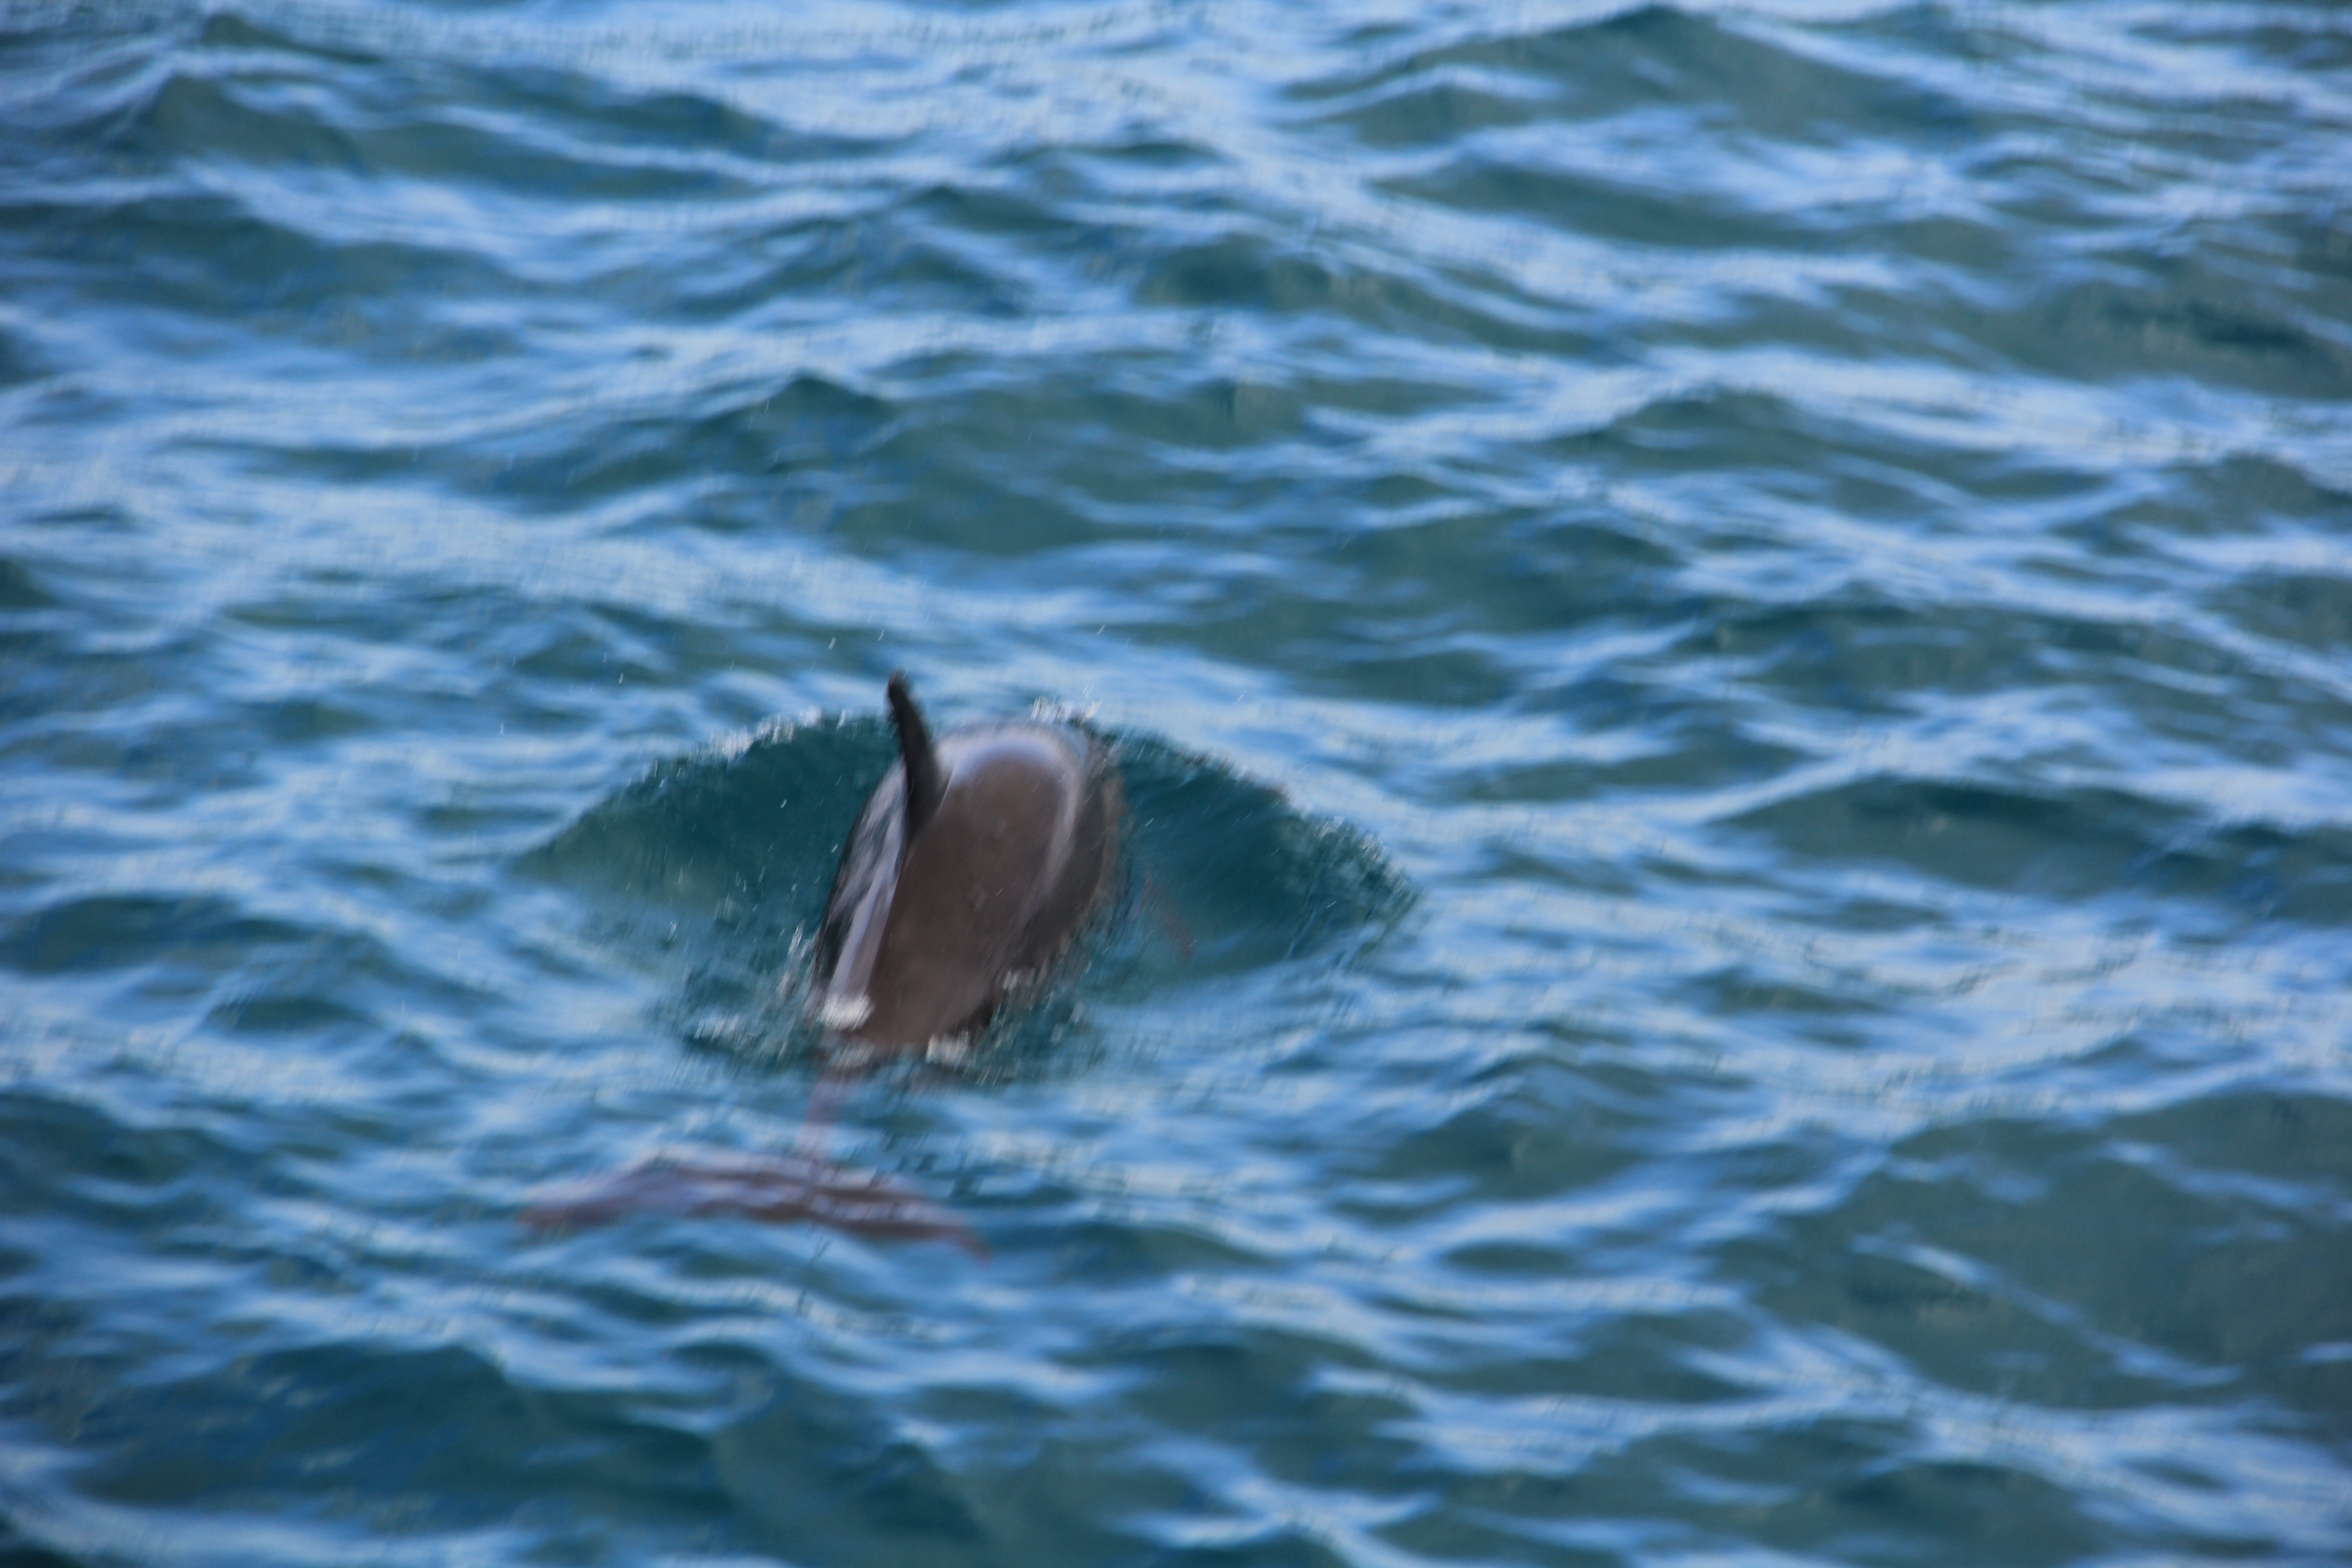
x=976 y=863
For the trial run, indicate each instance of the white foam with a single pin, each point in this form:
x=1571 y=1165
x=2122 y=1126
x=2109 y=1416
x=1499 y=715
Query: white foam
x=844 y=1012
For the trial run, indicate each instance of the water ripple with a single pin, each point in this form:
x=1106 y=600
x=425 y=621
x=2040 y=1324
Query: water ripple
x=1724 y=624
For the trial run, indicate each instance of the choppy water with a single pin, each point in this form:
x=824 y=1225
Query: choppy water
x=1728 y=625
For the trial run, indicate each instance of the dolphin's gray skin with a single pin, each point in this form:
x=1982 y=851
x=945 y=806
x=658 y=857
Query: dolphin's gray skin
x=976 y=861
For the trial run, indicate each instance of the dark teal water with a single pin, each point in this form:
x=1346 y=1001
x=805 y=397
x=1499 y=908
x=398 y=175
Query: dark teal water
x=1728 y=625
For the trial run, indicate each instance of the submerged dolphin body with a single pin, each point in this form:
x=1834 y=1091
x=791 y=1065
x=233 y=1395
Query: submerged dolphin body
x=777 y=1189
x=975 y=863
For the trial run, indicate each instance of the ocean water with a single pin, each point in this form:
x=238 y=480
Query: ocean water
x=1730 y=626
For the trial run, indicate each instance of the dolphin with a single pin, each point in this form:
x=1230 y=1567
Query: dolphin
x=976 y=862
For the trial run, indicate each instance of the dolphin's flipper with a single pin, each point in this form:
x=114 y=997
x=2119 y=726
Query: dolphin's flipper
x=924 y=784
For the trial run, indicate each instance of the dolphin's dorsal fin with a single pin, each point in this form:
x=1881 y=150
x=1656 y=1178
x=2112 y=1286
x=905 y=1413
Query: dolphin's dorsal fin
x=924 y=785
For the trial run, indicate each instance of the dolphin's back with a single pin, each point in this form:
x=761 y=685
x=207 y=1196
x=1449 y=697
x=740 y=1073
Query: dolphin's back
x=926 y=930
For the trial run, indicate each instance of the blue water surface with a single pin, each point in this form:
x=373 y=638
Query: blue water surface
x=1730 y=627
